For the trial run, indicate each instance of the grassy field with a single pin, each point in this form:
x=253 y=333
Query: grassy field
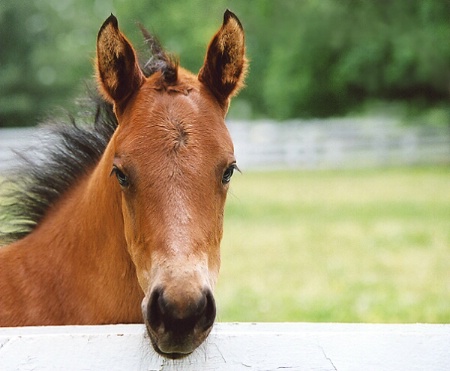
x=349 y=246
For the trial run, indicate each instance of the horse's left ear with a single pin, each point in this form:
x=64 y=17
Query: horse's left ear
x=225 y=65
x=118 y=70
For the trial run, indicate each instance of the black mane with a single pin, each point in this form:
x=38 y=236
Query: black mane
x=160 y=60
x=73 y=148
x=70 y=151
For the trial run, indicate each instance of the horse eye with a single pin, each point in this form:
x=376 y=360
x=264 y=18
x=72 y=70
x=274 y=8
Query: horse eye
x=228 y=174
x=121 y=177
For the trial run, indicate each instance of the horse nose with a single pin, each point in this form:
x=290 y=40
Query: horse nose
x=182 y=319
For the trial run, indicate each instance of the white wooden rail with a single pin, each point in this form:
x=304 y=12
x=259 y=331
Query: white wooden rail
x=233 y=346
x=338 y=143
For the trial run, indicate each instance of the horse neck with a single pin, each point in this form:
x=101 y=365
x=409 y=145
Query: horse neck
x=82 y=237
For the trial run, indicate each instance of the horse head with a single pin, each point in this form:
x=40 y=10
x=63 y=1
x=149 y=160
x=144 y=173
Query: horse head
x=172 y=162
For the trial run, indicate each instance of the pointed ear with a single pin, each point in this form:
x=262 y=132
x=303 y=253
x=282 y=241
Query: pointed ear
x=118 y=71
x=225 y=65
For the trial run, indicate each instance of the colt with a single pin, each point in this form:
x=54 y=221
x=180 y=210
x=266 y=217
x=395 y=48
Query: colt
x=123 y=220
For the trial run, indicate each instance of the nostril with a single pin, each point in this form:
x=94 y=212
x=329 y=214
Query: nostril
x=165 y=315
x=155 y=309
x=209 y=314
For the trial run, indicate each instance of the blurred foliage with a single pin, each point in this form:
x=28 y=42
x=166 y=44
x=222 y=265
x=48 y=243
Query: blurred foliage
x=308 y=57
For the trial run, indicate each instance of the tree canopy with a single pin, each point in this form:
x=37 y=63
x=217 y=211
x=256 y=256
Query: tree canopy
x=308 y=58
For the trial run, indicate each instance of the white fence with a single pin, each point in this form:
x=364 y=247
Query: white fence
x=15 y=140
x=233 y=346
x=338 y=143
x=333 y=143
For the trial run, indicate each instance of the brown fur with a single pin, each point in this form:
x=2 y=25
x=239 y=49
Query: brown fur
x=152 y=235
x=117 y=66
x=225 y=64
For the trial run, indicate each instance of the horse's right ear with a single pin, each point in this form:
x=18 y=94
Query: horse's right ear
x=118 y=71
x=225 y=65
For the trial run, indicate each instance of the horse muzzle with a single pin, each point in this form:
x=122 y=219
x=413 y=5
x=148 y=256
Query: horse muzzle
x=178 y=326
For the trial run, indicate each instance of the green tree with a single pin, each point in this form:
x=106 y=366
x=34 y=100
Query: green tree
x=344 y=53
x=308 y=58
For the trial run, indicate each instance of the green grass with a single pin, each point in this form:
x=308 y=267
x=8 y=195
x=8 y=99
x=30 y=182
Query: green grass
x=349 y=246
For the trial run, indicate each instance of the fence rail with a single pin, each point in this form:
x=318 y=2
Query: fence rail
x=333 y=143
x=339 y=143
x=14 y=141
x=233 y=346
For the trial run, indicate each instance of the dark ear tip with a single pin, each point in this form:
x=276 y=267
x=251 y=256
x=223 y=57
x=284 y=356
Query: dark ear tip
x=228 y=15
x=111 y=20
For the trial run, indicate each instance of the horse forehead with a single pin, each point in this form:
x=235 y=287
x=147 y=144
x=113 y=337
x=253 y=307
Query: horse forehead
x=167 y=121
x=184 y=101
x=189 y=110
